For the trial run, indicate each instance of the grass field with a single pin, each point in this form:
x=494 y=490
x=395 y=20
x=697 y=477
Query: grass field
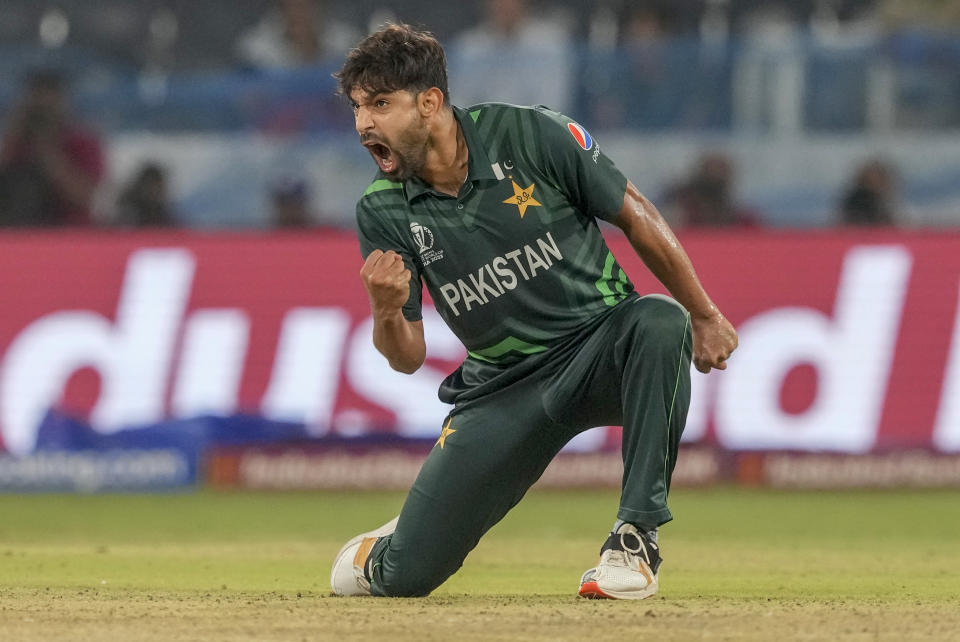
x=740 y=565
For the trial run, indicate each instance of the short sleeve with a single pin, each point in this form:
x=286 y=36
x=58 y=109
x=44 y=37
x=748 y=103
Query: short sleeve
x=574 y=162
x=375 y=234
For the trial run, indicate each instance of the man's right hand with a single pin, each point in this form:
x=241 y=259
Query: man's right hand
x=387 y=281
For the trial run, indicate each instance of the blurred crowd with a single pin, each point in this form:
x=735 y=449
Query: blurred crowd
x=53 y=170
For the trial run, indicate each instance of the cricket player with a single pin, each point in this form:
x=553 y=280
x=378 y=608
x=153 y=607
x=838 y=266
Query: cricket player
x=495 y=207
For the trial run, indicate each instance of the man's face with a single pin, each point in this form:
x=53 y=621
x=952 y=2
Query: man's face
x=393 y=130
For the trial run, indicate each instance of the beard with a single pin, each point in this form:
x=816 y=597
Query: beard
x=403 y=157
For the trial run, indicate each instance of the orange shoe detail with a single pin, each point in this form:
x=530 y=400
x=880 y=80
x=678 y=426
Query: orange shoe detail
x=364 y=551
x=645 y=571
x=591 y=591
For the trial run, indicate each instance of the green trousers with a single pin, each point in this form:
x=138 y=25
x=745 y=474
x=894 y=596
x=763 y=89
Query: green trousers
x=632 y=370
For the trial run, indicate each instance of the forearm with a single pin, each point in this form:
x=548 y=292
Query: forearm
x=399 y=340
x=714 y=338
x=658 y=247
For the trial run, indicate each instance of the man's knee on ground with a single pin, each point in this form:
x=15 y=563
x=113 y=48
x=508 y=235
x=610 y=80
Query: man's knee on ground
x=411 y=582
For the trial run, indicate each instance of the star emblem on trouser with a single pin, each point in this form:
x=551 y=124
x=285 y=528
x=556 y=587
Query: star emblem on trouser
x=445 y=432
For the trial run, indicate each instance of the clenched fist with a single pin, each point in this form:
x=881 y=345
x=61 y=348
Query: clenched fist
x=713 y=340
x=387 y=281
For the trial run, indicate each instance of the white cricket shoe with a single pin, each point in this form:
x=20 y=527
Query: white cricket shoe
x=628 y=568
x=349 y=575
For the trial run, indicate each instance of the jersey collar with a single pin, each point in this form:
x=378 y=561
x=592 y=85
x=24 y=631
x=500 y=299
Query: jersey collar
x=479 y=167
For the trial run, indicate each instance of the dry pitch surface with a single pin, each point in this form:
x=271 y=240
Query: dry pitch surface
x=740 y=565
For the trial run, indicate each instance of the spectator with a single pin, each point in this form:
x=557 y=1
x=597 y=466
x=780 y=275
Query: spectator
x=871 y=198
x=515 y=55
x=658 y=77
x=706 y=199
x=50 y=165
x=290 y=204
x=925 y=13
x=293 y=34
x=145 y=202
x=647 y=88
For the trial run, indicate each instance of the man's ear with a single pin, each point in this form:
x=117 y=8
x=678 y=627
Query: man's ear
x=430 y=102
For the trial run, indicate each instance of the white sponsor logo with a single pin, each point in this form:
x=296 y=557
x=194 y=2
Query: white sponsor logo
x=135 y=356
x=852 y=351
x=155 y=357
x=946 y=432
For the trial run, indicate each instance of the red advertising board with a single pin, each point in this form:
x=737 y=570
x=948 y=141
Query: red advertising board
x=850 y=340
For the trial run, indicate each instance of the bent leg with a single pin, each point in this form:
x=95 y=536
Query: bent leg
x=655 y=391
x=634 y=371
x=488 y=455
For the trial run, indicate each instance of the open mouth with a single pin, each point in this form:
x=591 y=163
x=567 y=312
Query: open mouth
x=383 y=157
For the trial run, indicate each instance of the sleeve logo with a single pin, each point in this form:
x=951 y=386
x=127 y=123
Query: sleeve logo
x=580 y=135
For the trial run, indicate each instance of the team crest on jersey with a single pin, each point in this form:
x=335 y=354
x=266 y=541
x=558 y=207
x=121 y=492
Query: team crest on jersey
x=423 y=237
x=580 y=135
x=522 y=197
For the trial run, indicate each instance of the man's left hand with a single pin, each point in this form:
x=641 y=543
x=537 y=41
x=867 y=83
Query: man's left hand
x=714 y=339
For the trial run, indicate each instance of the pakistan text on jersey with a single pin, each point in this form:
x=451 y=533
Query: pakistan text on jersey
x=526 y=260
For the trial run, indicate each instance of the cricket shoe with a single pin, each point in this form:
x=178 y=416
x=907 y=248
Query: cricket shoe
x=350 y=574
x=629 y=561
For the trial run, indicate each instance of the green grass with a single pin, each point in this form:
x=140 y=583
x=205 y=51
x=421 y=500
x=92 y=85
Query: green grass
x=733 y=557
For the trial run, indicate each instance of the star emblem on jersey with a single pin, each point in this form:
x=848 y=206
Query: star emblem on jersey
x=522 y=198
x=445 y=432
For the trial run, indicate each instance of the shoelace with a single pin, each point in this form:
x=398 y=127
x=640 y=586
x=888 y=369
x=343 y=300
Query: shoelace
x=617 y=558
x=640 y=549
x=623 y=545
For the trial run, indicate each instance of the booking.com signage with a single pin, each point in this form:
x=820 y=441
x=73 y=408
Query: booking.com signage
x=848 y=343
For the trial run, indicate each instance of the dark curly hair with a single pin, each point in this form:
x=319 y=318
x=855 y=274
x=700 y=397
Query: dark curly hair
x=398 y=57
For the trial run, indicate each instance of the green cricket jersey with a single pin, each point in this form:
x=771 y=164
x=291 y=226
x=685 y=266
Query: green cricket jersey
x=516 y=261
